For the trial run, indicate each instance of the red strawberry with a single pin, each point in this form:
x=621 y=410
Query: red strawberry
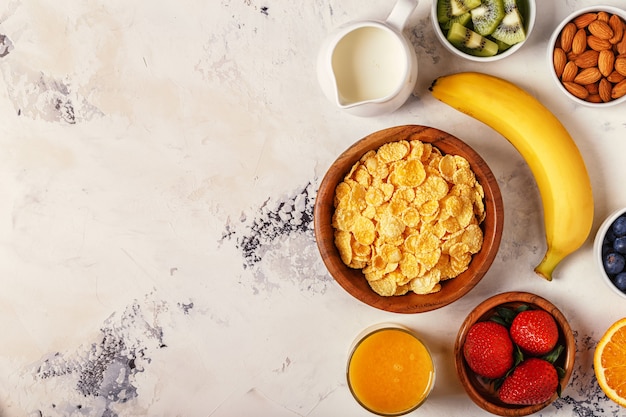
x=534 y=381
x=488 y=349
x=535 y=332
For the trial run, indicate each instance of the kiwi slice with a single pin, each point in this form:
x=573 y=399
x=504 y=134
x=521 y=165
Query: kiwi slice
x=501 y=45
x=522 y=6
x=471 y=42
x=487 y=16
x=447 y=9
x=511 y=28
x=463 y=19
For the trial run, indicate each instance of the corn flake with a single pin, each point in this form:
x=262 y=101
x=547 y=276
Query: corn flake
x=397 y=207
x=402 y=289
x=362 y=176
x=473 y=238
x=344 y=219
x=411 y=217
x=410 y=173
x=361 y=251
x=427 y=242
x=342 y=241
x=447 y=167
x=356 y=199
x=409 y=266
x=390 y=226
x=426 y=284
x=429 y=209
x=428 y=149
x=374 y=196
x=386 y=286
x=387 y=190
x=341 y=193
x=393 y=151
x=464 y=176
x=428 y=259
x=390 y=253
x=364 y=230
x=369 y=212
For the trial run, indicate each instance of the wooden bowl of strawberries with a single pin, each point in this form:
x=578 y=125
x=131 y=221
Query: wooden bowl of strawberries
x=514 y=354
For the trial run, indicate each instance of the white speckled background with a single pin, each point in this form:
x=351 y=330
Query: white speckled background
x=159 y=162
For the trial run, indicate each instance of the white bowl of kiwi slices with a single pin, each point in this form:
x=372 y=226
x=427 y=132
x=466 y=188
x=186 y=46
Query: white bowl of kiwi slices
x=483 y=30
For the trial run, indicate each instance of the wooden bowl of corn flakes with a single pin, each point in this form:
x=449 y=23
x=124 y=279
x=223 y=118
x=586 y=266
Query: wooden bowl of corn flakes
x=408 y=219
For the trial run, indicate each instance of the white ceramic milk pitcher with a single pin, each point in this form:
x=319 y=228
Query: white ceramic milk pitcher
x=368 y=67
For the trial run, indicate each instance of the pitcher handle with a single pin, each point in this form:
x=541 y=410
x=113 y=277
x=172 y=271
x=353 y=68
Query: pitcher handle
x=401 y=13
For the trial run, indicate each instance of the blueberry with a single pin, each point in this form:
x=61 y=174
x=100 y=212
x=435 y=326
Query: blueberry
x=610 y=236
x=619 y=226
x=620 y=281
x=614 y=263
x=620 y=245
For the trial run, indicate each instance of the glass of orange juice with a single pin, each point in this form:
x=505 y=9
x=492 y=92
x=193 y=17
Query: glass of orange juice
x=390 y=370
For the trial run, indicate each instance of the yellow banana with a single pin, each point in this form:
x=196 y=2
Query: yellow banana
x=543 y=142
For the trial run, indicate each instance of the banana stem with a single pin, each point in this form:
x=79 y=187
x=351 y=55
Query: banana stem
x=548 y=264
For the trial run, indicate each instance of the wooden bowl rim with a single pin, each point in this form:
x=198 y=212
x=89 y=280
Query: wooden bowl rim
x=485 y=310
x=352 y=280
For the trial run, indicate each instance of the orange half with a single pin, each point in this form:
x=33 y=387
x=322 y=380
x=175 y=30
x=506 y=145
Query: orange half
x=609 y=362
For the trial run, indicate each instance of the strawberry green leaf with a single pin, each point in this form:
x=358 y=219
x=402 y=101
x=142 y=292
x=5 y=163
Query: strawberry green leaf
x=506 y=314
x=500 y=320
x=518 y=356
x=498 y=383
x=553 y=355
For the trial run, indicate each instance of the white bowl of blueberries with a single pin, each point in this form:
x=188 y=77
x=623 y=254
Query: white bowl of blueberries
x=610 y=251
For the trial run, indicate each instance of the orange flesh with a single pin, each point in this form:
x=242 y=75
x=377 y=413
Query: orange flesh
x=614 y=362
x=390 y=372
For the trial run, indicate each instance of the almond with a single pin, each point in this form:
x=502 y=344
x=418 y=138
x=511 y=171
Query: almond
x=620 y=47
x=587 y=59
x=569 y=72
x=617 y=25
x=567 y=36
x=606 y=60
x=559 y=60
x=615 y=77
x=588 y=76
x=620 y=64
x=584 y=20
x=576 y=90
x=619 y=90
x=604 y=90
x=579 y=44
x=594 y=98
x=593 y=88
x=598 y=44
x=603 y=16
x=600 y=29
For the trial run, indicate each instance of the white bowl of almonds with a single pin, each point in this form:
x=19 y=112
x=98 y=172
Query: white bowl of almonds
x=587 y=56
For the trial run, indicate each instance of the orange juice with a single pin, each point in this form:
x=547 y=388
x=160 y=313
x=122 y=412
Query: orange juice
x=390 y=371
